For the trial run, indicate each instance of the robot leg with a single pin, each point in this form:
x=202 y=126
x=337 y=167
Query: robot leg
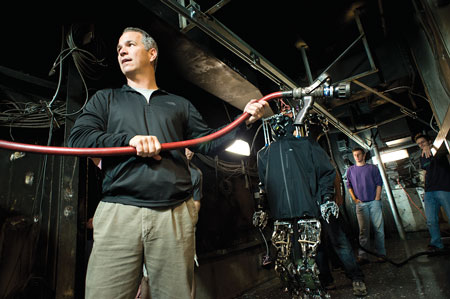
x=309 y=240
x=282 y=241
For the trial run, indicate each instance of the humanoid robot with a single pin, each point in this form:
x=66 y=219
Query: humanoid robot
x=296 y=184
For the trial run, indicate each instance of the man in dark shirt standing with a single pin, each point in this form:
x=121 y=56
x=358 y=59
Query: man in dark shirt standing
x=437 y=188
x=147 y=213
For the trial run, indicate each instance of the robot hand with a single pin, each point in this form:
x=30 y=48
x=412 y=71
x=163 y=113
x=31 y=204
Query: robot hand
x=329 y=208
x=260 y=219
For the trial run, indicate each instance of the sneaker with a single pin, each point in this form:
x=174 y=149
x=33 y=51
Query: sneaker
x=359 y=288
x=361 y=261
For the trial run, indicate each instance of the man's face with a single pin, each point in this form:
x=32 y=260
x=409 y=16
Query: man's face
x=358 y=156
x=131 y=53
x=422 y=142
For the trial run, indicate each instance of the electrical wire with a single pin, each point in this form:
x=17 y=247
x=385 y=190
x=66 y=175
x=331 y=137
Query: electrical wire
x=265 y=241
x=37 y=115
x=254 y=137
x=409 y=90
x=424 y=217
x=431 y=124
x=27 y=115
x=83 y=60
x=58 y=86
x=403 y=262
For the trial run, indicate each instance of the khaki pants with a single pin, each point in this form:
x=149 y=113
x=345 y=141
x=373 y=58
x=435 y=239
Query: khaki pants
x=125 y=235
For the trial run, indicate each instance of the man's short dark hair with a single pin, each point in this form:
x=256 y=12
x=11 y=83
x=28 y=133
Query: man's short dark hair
x=421 y=135
x=358 y=149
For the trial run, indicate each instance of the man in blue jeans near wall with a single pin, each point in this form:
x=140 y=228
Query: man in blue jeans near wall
x=437 y=188
x=364 y=185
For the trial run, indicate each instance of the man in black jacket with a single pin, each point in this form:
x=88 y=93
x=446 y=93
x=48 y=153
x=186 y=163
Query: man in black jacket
x=147 y=212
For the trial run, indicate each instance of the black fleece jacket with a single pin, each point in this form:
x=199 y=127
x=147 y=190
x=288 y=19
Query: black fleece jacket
x=297 y=175
x=113 y=116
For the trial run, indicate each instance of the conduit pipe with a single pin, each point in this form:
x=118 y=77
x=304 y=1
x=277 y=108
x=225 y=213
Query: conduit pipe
x=129 y=150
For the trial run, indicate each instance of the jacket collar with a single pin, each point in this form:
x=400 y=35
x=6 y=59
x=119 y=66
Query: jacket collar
x=127 y=88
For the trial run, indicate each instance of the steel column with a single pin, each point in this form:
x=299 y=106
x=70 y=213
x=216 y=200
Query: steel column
x=390 y=196
x=68 y=198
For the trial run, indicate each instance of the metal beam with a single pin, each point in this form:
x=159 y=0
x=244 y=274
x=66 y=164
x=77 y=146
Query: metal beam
x=362 y=36
x=210 y=11
x=27 y=78
x=232 y=42
x=68 y=198
x=403 y=109
x=390 y=196
x=364 y=39
x=444 y=133
x=228 y=39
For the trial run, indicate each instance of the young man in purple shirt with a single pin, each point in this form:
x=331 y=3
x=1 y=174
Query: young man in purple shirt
x=364 y=185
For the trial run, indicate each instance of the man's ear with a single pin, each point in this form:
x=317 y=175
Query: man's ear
x=153 y=54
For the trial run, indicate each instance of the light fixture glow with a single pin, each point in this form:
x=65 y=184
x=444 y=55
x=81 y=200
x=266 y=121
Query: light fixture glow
x=239 y=147
x=394 y=156
x=398 y=141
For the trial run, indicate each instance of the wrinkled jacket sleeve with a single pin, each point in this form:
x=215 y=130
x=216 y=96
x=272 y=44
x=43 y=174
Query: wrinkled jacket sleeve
x=90 y=128
x=325 y=171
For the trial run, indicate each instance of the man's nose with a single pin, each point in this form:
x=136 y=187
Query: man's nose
x=122 y=51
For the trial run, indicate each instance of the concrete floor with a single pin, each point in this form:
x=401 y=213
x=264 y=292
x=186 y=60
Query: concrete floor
x=422 y=277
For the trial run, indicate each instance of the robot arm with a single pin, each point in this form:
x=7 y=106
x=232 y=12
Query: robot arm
x=260 y=216
x=329 y=208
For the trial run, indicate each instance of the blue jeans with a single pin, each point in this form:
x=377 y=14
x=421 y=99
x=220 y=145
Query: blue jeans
x=433 y=202
x=334 y=234
x=368 y=213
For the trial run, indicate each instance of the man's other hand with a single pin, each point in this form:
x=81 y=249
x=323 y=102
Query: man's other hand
x=255 y=109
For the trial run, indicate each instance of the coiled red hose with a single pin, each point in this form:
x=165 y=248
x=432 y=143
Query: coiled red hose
x=129 y=150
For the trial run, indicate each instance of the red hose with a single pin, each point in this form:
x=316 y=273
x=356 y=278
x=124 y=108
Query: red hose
x=129 y=150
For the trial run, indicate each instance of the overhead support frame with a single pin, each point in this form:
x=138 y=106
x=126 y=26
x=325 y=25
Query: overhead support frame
x=232 y=42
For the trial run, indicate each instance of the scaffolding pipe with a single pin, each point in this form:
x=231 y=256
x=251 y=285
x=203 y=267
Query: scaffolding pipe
x=387 y=187
x=229 y=40
x=306 y=63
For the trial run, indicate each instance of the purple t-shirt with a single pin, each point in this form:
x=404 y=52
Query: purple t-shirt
x=364 y=181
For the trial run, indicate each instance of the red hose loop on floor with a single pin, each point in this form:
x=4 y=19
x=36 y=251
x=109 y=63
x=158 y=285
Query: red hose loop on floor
x=128 y=150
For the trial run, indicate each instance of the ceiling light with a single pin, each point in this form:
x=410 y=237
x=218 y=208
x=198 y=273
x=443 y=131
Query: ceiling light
x=239 y=147
x=394 y=156
x=398 y=141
